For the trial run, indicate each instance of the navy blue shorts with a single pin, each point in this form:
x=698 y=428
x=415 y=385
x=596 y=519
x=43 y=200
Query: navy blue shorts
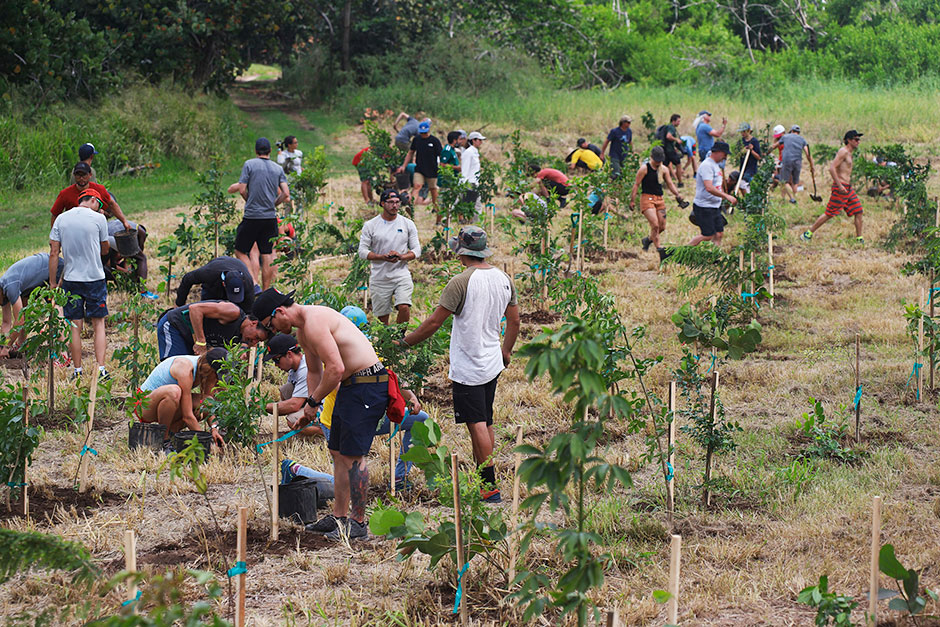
x=170 y=342
x=92 y=301
x=356 y=415
x=474 y=403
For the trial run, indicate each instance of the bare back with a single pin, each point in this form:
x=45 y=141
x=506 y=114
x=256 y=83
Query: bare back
x=318 y=324
x=841 y=167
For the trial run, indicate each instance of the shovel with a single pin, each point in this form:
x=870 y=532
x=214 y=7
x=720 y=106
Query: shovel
x=737 y=186
x=816 y=197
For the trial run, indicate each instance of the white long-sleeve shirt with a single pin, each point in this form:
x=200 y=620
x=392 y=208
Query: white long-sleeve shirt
x=470 y=166
x=381 y=237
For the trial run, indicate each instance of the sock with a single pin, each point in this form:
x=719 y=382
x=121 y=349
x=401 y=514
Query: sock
x=101 y=370
x=488 y=475
x=78 y=370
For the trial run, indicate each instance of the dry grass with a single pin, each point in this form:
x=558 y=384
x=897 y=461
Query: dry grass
x=743 y=562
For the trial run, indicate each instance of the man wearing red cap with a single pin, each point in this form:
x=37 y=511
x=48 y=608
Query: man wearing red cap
x=70 y=196
x=81 y=235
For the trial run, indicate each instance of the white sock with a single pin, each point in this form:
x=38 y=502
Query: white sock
x=78 y=370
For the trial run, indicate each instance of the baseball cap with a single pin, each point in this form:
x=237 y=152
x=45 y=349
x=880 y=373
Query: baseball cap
x=471 y=241
x=475 y=135
x=93 y=193
x=658 y=154
x=389 y=193
x=853 y=134
x=721 y=147
x=626 y=118
x=82 y=168
x=262 y=146
x=425 y=126
x=462 y=132
x=778 y=130
x=279 y=345
x=581 y=140
x=356 y=315
x=269 y=300
x=216 y=357
x=744 y=127
x=234 y=284
x=795 y=128
x=86 y=150
x=704 y=112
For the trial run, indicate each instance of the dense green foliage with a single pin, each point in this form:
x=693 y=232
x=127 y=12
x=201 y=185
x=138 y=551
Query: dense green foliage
x=21 y=550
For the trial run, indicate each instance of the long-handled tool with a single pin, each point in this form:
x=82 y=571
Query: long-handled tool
x=816 y=197
x=737 y=185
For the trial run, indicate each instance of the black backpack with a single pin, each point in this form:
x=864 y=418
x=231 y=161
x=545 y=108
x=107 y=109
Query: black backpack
x=661 y=133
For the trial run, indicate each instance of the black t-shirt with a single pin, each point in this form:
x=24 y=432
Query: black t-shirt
x=427 y=150
x=751 y=161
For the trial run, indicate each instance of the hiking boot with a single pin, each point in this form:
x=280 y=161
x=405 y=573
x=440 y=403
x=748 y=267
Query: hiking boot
x=646 y=243
x=806 y=236
x=326 y=524
x=349 y=528
x=663 y=254
x=491 y=496
x=793 y=201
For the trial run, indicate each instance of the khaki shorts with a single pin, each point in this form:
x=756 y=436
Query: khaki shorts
x=648 y=201
x=388 y=295
x=421 y=179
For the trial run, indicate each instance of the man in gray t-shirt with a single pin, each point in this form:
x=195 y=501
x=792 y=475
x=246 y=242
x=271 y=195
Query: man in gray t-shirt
x=408 y=132
x=791 y=161
x=263 y=185
x=15 y=285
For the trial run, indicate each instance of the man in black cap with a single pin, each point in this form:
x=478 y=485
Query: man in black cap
x=192 y=329
x=706 y=208
x=223 y=278
x=86 y=154
x=478 y=298
x=843 y=197
x=263 y=185
x=69 y=196
x=338 y=354
x=287 y=356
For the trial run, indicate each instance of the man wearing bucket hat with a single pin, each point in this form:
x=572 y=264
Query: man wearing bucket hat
x=80 y=234
x=425 y=151
x=340 y=356
x=223 y=278
x=478 y=298
x=389 y=241
x=70 y=196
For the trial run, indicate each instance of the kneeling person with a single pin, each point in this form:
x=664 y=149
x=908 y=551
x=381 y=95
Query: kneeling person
x=287 y=356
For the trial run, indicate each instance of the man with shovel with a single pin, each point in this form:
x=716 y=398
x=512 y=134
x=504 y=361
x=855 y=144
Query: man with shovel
x=843 y=197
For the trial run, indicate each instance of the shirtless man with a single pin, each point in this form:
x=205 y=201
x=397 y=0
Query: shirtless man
x=649 y=179
x=337 y=355
x=843 y=197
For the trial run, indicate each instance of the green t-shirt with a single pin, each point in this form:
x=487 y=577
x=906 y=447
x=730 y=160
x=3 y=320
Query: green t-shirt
x=449 y=158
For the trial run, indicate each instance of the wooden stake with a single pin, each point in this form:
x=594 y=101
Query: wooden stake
x=931 y=299
x=920 y=346
x=216 y=220
x=130 y=565
x=737 y=186
x=875 y=550
x=169 y=277
x=251 y=371
x=674 y=562
x=752 y=271
x=458 y=529
x=613 y=618
x=544 y=276
x=514 y=516
x=713 y=412
x=365 y=298
x=260 y=367
x=391 y=459
x=26 y=465
x=770 y=264
x=492 y=233
x=606 y=219
x=858 y=382
x=241 y=579
x=671 y=483
x=580 y=238
x=741 y=267
x=275 y=478
x=83 y=464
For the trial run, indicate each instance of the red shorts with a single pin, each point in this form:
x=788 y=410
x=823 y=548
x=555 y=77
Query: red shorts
x=847 y=201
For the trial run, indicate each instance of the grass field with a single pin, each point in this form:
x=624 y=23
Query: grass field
x=779 y=521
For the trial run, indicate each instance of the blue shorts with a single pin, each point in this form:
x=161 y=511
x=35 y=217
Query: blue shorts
x=92 y=301
x=170 y=342
x=359 y=408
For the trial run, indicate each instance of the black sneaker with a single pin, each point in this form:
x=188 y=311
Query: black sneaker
x=682 y=203
x=663 y=254
x=350 y=528
x=646 y=243
x=327 y=524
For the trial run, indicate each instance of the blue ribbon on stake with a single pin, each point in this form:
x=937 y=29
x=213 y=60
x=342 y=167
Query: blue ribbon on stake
x=858 y=396
x=398 y=426
x=87 y=449
x=932 y=290
x=240 y=568
x=459 y=594
x=289 y=434
x=746 y=295
x=913 y=374
x=671 y=474
x=134 y=600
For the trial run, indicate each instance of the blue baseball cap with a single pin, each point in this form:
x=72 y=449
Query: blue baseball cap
x=425 y=126
x=356 y=315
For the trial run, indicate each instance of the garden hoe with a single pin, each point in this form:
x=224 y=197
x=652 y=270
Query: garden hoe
x=816 y=197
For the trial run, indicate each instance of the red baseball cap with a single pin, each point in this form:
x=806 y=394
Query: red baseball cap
x=94 y=194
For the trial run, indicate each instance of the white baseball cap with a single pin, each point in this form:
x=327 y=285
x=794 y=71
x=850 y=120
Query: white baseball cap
x=475 y=135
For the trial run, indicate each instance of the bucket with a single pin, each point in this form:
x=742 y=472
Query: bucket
x=180 y=439
x=126 y=242
x=146 y=435
x=297 y=500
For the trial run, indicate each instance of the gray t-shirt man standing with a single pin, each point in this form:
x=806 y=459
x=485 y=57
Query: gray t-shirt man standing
x=263 y=185
x=390 y=241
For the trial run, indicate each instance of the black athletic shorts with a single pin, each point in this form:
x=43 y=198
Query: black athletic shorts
x=356 y=414
x=673 y=157
x=474 y=403
x=261 y=231
x=709 y=220
x=559 y=188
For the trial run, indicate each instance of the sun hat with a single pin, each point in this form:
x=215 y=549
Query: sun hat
x=471 y=241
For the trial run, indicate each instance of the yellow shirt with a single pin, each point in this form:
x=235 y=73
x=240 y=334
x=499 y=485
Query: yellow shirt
x=587 y=156
x=326 y=413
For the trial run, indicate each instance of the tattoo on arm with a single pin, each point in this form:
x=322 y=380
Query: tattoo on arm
x=358 y=490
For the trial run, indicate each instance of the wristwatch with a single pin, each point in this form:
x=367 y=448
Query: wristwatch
x=312 y=402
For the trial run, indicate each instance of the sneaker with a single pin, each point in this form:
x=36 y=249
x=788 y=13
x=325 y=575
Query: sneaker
x=103 y=375
x=680 y=184
x=76 y=374
x=326 y=524
x=168 y=446
x=150 y=295
x=646 y=243
x=682 y=203
x=351 y=529
x=806 y=236
x=793 y=201
x=287 y=472
x=491 y=496
x=860 y=239
x=663 y=254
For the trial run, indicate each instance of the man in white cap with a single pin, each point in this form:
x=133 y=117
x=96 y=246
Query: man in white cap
x=478 y=298
x=470 y=169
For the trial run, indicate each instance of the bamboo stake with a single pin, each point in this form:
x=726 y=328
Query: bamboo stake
x=741 y=267
x=251 y=371
x=169 y=277
x=260 y=369
x=920 y=346
x=51 y=379
x=752 y=272
x=241 y=579
x=514 y=517
x=770 y=264
x=130 y=565
x=737 y=186
x=671 y=482
x=875 y=550
x=544 y=277
x=391 y=460
x=83 y=464
x=275 y=478
x=580 y=238
x=493 y=222
x=458 y=529
x=674 y=562
x=930 y=299
x=713 y=412
x=858 y=382
x=613 y=617
x=365 y=298
x=606 y=219
x=26 y=466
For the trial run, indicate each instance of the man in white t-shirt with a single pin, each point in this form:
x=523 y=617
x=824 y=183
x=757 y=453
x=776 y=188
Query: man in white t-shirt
x=706 y=208
x=390 y=241
x=470 y=170
x=478 y=298
x=80 y=234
